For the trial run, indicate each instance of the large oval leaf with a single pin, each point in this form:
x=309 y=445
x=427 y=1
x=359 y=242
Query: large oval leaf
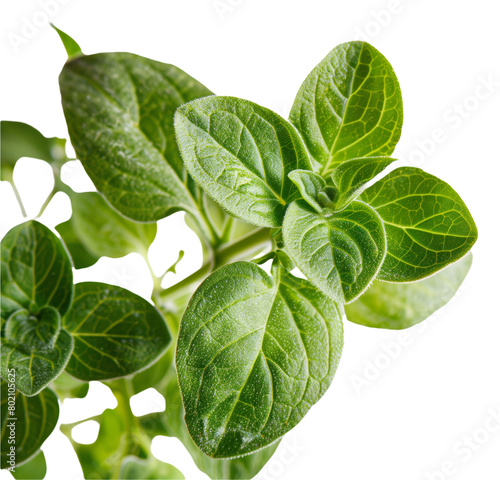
x=349 y=106
x=116 y=332
x=119 y=109
x=253 y=355
x=31 y=421
x=402 y=305
x=428 y=225
x=241 y=153
x=36 y=271
x=341 y=252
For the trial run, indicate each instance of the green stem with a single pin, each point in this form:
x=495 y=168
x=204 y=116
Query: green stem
x=47 y=201
x=18 y=198
x=243 y=248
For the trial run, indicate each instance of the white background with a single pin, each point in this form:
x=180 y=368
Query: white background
x=412 y=417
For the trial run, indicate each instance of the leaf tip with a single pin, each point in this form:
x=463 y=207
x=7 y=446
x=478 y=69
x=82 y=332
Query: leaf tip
x=72 y=48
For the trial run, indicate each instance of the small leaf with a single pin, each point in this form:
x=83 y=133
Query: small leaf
x=119 y=109
x=36 y=271
x=35 y=419
x=428 y=225
x=349 y=106
x=22 y=140
x=116 y=332
x=102 y=231
x=32 y=332
x=253 y=355
x=310 y=185
x=340 y=253
x=241 y=153
x=34 y=469
x=402 y=305
x=36 y=364
x=72 y=48
x=351 y=176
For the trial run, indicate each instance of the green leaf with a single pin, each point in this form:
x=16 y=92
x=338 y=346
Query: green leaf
x=253 y=355
x=341 y=253
x=351 y=176
x=35 y=418
x=119 y=109
x=428 y=225
x=402 y=305
x=36 y=271
x=171 y=421
x=21 y=140
x=67 y=386
x=102 y=231
x=349 y=106
x=310 y=185
x=241 y=153
x=81 y=257
x=36 y=348
x=133 y=468
x=116 y=332
x=35 y=469
x=72 y=48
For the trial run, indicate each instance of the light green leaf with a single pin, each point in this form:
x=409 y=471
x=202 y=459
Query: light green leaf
x=241 y=153
x=351 y=176
x=402 y=305
x=428 y=225
x=134 y=468
x=36 y=417
x=36 y=348
x=81 y=257
x=171 y=422
x=22 y=140
x=116 y=332
x=119 y=109
x=102 y=231
x=310 y=185
x=341 y=253
x=349 y=106
x=253 y=355
x=67 y=386
x=35 y=469
x=36 y=271
x=72 y=48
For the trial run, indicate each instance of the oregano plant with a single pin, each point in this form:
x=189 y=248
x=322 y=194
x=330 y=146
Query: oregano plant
x=240 y=352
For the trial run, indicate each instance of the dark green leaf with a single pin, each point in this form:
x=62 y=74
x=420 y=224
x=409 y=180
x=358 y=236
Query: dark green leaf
x=428 y=225
x=116 y=332
x=21 y=140
x=349 y=106
x=340 y=253
x=35 y=348
x=253 y=355
x=102 y=231
x=310 y=185
x=35 y=469
x=119 y=109
x=133 y=468
x=241 y=154
x=351 y=176
x=36 y=417
x=36 y=271
x=402 y=305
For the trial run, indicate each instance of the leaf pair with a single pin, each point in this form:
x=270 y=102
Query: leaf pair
x=103 y=332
